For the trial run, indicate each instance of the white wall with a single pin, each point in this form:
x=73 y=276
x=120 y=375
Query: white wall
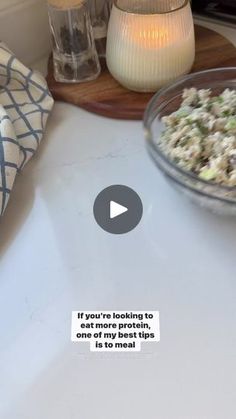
x=24 y=27
x=7 y=3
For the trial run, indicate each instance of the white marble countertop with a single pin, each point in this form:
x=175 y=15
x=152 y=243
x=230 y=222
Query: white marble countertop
x=180 y=260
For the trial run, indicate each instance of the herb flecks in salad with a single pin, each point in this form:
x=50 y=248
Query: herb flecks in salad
x=201 y=135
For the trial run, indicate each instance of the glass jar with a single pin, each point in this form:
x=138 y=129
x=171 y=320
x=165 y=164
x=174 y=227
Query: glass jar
x=74 y=54
x=100 y=13
x=150 y=43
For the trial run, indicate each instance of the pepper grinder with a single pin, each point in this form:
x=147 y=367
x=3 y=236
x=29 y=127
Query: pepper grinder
x=74 y=53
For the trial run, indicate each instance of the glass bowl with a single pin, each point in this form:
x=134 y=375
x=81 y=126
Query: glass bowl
x=218 y=198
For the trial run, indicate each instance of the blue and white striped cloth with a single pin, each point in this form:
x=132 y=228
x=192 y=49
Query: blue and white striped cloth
x=25 y=104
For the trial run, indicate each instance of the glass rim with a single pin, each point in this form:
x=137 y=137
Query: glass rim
x=123 y=10
x=147 y=122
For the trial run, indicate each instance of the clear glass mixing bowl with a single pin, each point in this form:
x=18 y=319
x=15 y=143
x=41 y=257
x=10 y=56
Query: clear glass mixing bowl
x=220 y=199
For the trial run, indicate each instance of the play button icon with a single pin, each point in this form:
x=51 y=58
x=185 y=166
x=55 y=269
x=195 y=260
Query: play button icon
x=118 y=209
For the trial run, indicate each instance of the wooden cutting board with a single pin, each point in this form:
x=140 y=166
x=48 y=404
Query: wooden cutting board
x=105 y=96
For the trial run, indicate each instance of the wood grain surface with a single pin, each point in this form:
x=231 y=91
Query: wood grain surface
x=104 y=96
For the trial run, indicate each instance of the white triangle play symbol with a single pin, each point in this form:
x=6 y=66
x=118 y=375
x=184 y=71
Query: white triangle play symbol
x=116 y=209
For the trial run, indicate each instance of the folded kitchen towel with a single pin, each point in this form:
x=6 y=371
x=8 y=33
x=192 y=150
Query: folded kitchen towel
x=25 y=104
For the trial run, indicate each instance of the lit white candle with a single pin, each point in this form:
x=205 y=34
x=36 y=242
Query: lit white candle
x=147 y=51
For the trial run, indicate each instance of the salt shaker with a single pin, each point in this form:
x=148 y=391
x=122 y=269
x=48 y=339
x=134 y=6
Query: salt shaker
x=74 y=53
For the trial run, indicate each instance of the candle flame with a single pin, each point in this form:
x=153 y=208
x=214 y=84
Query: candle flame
x=153 y=35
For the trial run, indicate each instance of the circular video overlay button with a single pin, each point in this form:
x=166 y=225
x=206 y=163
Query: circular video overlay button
x=118 y=209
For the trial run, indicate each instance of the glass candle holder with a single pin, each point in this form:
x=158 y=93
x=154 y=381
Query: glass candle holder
x=150 y=43
x=74 y=54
